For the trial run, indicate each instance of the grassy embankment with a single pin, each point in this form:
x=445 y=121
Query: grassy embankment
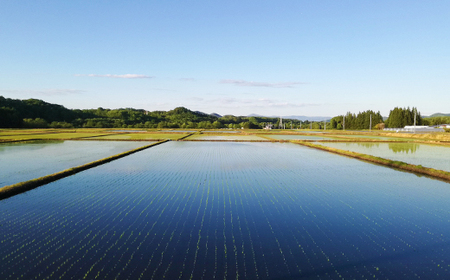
x=87 y=134
x=21 y=187
x=34 y=135
x=224 y=137
x=141 y=136
x=435 y=173
x=186 y=136
x=442 y=137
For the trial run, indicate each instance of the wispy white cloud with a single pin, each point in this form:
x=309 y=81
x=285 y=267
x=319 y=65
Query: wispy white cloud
x=45 y=92
x=187 y=79
x=260 y=84
x=124 y=76
x=257 y=103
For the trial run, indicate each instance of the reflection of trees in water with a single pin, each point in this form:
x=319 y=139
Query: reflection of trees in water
x=403 y=148
x=367 y=145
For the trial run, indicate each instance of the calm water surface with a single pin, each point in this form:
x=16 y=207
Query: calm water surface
x=25 y=161
x=379 y=137
x=433 y=156
x=298 y=137
x=189 y=210
x=226 y=137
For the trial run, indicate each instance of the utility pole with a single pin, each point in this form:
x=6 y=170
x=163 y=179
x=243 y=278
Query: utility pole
x=343 y=121
x=415 y=111
x=370 y=125
x=325 y=125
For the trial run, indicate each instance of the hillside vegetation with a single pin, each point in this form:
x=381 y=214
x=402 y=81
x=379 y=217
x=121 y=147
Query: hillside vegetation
x=35 y=113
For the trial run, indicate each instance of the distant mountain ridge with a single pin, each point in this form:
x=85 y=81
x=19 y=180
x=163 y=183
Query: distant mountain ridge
x=215 y=115
x=15 y=113
x=438 y=115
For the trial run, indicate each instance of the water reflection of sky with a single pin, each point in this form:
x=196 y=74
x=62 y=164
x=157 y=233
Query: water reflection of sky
x=175 y=130
x=221 y=131
x=191 y=210
x=226 y=137
x=378 y=137
x=433 y=156
x=297 y=137
x=25 y=161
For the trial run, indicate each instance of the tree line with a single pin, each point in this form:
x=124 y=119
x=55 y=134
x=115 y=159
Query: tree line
x=362 y=120
x=398 y=118
x=35 y=113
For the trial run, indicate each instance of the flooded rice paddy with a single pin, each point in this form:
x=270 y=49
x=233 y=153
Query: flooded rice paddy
x=433 y=156
x=220 y=131
x=298 y=137
x=378 y=137
x=190 y=210
x=25 y=161
x=224 y=137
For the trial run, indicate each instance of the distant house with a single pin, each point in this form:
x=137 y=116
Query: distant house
x=268 y=126
x=416 y=129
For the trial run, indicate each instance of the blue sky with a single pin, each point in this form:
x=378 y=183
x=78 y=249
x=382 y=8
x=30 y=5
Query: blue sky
x=314 y=58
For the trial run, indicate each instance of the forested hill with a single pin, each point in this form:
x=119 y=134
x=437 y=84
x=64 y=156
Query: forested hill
x=16 y=113
x=439 y=115
x=13 y=111
x=35 y=113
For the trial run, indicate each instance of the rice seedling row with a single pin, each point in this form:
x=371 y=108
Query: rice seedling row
x=26 y=161
x=189 y=210
x=432 y=156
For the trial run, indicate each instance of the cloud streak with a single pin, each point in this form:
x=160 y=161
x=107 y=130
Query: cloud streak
x=257 y=103
x=261 y=84
x=124 y=76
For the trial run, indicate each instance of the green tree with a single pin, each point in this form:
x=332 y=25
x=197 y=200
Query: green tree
x=9 y=118
x=217 y=124
x=35 y=123
x=400 y=117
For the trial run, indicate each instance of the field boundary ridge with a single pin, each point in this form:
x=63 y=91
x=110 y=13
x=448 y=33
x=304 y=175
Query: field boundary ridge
x=419 y=169
x=14 y=189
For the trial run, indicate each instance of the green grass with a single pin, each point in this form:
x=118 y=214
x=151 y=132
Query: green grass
x=142 y=136
x=24 y=132
x=51 y=136
x=223 y=137
x=95 y=134
x=439 y=174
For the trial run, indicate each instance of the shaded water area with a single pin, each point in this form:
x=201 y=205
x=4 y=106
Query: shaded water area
x=433 y=156
x=191 y=210
x=29 y=160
